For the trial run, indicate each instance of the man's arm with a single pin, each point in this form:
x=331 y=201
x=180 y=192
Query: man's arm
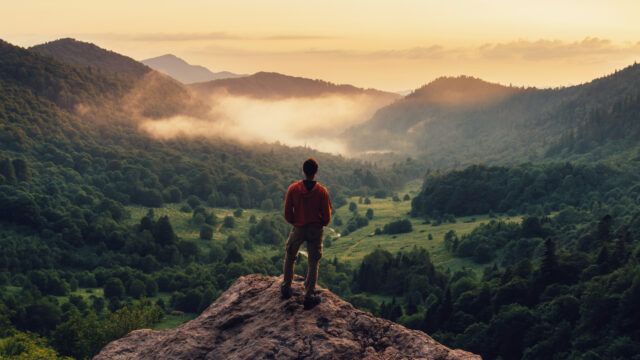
x=325 y=211
x=288 y=207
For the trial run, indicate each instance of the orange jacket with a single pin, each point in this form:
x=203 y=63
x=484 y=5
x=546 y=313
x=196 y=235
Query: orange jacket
x=303 y=207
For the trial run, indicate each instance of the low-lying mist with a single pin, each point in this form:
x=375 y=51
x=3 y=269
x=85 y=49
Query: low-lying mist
x=314 y=122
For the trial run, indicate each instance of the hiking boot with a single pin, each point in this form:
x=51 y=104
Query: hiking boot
x=285 y=291
x=310 y=301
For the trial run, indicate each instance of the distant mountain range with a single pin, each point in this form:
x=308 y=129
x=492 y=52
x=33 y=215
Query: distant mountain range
x=140 y=89
x=451 y=121
x=78 y=53
x=270 y=85
x=455 y=121
x=184 y=72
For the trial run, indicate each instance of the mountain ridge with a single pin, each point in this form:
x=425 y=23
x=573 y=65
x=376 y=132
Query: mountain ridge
x=141 y=89
x=273 y=85
x=184 y=72
x=519 y=124
x=250 y=321
x=80 y=53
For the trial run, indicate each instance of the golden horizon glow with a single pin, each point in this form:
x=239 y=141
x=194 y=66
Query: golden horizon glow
x=393 y=46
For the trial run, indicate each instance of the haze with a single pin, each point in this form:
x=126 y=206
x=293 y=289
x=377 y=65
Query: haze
x=388 y=45
x=314 y=122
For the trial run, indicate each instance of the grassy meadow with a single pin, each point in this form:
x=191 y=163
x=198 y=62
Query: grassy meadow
x=361 y=242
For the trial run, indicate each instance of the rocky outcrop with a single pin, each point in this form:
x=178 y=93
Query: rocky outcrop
x=250 y=321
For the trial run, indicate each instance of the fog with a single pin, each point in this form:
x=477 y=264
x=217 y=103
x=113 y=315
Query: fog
x=314 y=122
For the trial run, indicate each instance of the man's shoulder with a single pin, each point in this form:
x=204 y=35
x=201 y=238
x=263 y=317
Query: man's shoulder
x=293 y=185
x=322 y=188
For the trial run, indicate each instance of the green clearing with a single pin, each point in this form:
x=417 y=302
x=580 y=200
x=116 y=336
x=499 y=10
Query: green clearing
x=185 y=229
x=355 y=246
x=173 y=320
x=350 y=248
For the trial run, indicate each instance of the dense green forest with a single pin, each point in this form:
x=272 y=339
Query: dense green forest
x=71 y=164
x=550 y=187
x=454 y=122
x=92 y=249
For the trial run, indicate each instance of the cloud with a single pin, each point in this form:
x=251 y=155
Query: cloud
x=203 y=36
x=315 y=122
x=431 y=52
x=544 y=50
x=296 y=37
x=587 y=50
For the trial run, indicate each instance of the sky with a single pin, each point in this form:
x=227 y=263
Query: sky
x=391 y=45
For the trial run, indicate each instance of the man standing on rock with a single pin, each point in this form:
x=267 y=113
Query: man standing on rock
x=307 y=207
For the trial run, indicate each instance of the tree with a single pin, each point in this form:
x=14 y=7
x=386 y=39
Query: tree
x=26 y=346
x=369 y=214
x=549 y=261
x=163 y=232
x=41 y=317
x=531 y=227
x=266 y=205
x=7 y=171
x=229 y=222
x=206 y=232
x=445 y=309
x=22 y=170
x=353 y=207
x=173 y=194
x=398 y=227
x=113 y=288
x=233 y=256
x=136 y=289
x=449 y=240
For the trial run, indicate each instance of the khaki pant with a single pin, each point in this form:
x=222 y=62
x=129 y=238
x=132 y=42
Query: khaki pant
x=313 y=238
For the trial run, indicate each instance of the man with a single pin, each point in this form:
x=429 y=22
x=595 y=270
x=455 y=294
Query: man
x=307 y=207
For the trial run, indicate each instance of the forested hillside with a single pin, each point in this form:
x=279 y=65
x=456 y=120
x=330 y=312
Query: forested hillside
x=74 y=264
x=560 y=283
x=265 y=85
x=471 y=121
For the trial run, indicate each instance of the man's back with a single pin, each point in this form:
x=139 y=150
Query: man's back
x=308 y=208
x=307 y=203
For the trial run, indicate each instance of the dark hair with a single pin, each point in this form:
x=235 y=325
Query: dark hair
x=310 y=167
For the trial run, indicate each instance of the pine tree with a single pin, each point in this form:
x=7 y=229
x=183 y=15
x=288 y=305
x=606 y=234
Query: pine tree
x=445 y=309
x=549 y=261
x=163 y=231
x=7 y=171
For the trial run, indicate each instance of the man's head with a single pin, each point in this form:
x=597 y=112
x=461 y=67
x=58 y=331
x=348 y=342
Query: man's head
x=310 y=168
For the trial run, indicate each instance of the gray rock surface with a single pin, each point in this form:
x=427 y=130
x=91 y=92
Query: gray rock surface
x=250 y=321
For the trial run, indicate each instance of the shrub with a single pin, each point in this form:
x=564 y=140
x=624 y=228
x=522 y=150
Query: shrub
x=398 y=227
x=206 y=232
x=229 y=222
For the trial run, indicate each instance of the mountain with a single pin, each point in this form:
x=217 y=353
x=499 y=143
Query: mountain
x=464 y=120
x=83 y=54
x=460 y=91
x=270 y=85
x=184 y=72
x=146 y=92
x=250 y=321
x=75 y=169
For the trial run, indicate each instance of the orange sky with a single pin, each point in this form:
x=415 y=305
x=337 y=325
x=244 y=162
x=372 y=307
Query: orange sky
x=392 y=45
